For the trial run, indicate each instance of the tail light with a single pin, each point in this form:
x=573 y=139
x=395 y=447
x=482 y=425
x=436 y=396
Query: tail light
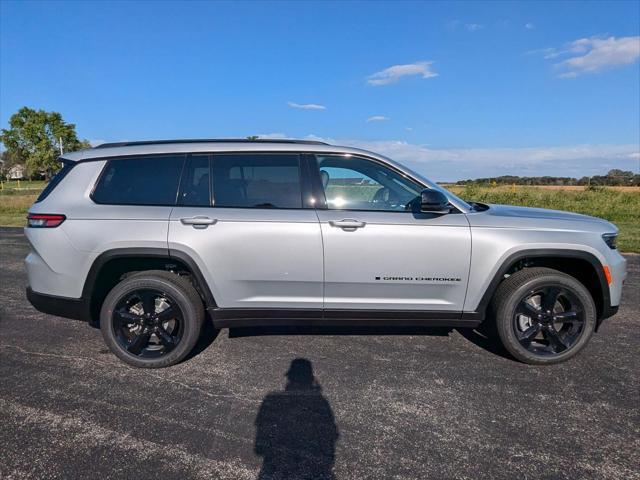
x=44 y=220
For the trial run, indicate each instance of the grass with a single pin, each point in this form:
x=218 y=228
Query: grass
x=13 y=208
x=621 y=207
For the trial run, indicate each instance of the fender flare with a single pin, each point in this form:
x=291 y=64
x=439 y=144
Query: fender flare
x=145 y=252
x=512 y=259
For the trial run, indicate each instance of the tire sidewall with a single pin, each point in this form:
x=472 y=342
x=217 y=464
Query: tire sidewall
x=506 y=311
x=191 y=326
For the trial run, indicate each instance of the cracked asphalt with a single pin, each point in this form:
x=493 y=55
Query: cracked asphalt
x=318 y=403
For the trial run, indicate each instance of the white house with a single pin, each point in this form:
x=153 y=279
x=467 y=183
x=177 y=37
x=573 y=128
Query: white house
x=16 y=172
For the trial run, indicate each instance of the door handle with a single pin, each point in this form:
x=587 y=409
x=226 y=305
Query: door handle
x=199 y=221
x=347 y=224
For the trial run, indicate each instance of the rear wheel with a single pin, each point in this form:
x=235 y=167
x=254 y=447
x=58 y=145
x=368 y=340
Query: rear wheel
x=152 y=319
x=543 y=316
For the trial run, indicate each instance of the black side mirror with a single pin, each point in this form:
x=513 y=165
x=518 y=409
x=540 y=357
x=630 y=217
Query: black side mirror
x=433 y=201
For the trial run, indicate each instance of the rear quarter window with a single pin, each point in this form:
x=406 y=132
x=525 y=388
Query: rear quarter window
x=55 y=181
x=150 y=180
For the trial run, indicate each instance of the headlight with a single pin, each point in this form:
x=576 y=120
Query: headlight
x=610 y=239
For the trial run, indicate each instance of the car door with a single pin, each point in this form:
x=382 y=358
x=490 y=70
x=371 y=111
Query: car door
x=380 y=252
x=242 y=218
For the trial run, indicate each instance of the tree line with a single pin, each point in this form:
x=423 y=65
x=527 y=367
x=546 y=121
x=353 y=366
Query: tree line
x=613 y=178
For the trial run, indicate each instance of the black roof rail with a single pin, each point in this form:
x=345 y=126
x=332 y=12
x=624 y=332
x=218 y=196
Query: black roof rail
x=209 y=140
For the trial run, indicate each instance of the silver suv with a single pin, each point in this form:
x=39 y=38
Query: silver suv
x=149 y=238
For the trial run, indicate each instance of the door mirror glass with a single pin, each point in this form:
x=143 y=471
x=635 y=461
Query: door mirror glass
x=433 y=201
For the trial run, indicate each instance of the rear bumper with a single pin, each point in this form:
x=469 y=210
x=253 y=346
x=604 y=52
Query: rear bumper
x=74 y=308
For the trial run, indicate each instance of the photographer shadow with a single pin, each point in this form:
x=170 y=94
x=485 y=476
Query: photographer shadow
x=296 y=432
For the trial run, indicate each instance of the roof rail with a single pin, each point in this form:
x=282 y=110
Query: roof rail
x=209 y=140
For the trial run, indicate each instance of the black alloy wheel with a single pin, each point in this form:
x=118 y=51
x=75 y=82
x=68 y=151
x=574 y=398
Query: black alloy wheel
x=148 y=323
x=549 y=320
x=152 y=319
x=543 y=316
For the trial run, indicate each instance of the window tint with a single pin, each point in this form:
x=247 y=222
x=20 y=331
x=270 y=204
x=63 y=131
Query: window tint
x=53 y=183
x=257 y=180
x=149 y=180
x=354 y=183
x=194 y=191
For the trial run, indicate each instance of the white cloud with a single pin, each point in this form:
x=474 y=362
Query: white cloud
x=97 y=141
x=409 y=129
x=473 y=27
x=529 y=26
x=449 y=164
x=593 y=55
x=378 y=118
x=306 y=106
x=396 y=72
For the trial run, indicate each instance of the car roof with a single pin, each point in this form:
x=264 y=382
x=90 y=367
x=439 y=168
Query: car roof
x=120 y=149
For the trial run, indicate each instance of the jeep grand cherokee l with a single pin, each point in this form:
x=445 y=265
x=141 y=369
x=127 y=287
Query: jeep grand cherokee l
x=150 y=238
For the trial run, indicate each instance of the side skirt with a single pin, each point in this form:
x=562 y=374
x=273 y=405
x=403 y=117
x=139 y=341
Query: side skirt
x=240 y=317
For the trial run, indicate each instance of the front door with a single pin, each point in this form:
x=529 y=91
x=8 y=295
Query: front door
x=380 y=252
x=241 y=218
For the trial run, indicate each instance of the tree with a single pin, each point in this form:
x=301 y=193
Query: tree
x=34 y=137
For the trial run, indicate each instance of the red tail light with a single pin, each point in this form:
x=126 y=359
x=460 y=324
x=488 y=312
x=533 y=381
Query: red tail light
x=44 y=220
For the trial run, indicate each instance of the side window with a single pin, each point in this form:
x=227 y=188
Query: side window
x=149 y=180
x=354 y=183
x=195 y=185
x=257 y=181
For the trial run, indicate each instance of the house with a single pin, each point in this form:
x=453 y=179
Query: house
x=16 y=172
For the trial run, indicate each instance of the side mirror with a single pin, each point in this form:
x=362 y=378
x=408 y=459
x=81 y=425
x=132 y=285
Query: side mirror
x=433 y=201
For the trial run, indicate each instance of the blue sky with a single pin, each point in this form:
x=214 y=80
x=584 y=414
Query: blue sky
x=456 y=90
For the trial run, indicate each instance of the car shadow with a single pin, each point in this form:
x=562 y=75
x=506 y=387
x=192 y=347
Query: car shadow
x=486 y=340
x=480 y=336
x=207 y=336
x=238 y=332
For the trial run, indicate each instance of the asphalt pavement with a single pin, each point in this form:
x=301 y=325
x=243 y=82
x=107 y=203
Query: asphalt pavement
x=312 y=403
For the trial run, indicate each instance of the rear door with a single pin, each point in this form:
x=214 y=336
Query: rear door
x=243 y=218
x=380 y=252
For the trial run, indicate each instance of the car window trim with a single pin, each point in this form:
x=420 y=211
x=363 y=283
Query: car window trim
x=183 y=179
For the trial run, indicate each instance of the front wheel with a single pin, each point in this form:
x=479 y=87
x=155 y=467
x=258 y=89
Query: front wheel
x=543 y=316
x=152 y=319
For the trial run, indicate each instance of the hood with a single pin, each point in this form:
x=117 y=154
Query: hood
x=527 y=217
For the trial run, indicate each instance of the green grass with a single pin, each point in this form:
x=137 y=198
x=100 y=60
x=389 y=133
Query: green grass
x=18 y=185
x=618 y=206
x=13 y=208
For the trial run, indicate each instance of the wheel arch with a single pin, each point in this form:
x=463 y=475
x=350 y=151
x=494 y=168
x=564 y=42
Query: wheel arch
x=582 y=265
x=109 y=267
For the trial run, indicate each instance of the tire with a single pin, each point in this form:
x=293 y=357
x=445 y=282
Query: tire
x=535 y=328
x=163 y=333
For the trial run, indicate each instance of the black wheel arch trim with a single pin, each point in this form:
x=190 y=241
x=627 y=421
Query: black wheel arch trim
x=82 y=308
x=146 y=252
x=513 y=259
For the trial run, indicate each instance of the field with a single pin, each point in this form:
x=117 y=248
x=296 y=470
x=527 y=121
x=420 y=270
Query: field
x=619 y=205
